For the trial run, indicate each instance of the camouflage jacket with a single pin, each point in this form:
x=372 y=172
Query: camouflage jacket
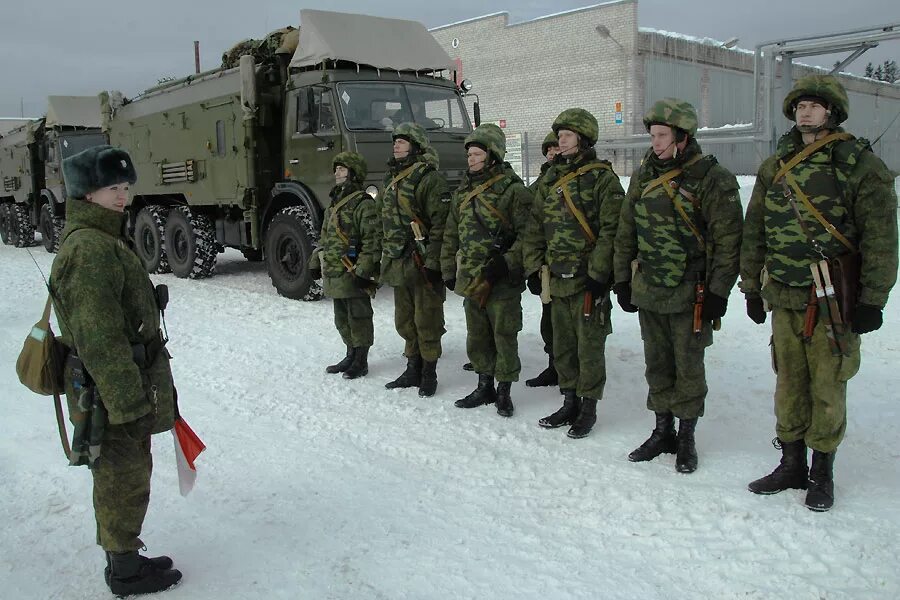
x=474 y=232
x=106 y=303
x=556 y=238
x=423 y=192
x=534 y=184
x=854 y=191
x=352 y=214
x=670 y=256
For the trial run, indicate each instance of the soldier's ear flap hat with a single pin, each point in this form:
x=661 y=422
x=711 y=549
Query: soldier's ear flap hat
x=95 y=168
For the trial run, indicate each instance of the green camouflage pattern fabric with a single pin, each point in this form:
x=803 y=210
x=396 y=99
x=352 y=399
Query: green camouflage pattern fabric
x=674 y=113
x=555 y=237
x=491 y=137
x=537 y=182
x=653 y=232
x=826 y=87
x=674 y=362
x=811 y=383
x=550 y=140
x=854 y=190
x=473 y=231
x=419 y=318
x=580 y=121
x=353 y=161
x=358 y=220
x=353 y=320
x=106 y=303
x=413 y=133
x=492 y=336
x=579 y=345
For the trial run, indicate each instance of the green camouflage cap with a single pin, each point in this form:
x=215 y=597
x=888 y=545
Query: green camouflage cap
x=491 y=138
x=826 y=87
x=353 y=161
x=580 y=121
x=412 y=132
x=674 y=113
x=550 y=140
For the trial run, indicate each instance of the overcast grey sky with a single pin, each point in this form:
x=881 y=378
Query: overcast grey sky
x=80 y=48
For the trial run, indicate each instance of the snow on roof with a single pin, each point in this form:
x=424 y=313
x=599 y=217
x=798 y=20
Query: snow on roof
x=706 y=41
x=73 y=111
x=506 y=14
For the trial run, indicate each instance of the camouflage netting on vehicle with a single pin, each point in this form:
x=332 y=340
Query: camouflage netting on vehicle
x=280 y=41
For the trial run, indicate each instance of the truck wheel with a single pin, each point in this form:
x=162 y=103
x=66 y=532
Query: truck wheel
x=51 y=228
x=150 y=238
x=21 y=227
x=289 y=245
x=190 y=244
x=5 y=223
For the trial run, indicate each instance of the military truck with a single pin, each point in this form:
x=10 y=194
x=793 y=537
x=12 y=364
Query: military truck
x=240 y=157
x=33 y=195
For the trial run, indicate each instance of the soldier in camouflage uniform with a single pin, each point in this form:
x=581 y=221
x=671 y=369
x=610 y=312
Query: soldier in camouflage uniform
x=415 y=201
x=481 y=260
x=547 y=377
x=574 y=218
x=117 y=376
x=818 y=165
x=679 y=237
x=348 y=257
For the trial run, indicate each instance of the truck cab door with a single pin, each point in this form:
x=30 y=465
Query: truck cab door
x=313 y=138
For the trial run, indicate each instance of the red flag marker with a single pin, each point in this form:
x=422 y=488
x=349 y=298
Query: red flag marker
x=187 y=448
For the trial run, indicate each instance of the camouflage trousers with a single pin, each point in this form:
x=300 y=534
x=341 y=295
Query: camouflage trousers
x=122 y=485
x=811 y=383
x=674 y=367
x=353 y=319
x=419 y=319
x=579 y=345
x=547 y=327
x=492 y=337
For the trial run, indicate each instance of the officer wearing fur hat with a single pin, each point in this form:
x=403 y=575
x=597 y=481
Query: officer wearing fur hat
x=413 y=209
x=481 y=260
x=348 y=259
x=823 y=196
x=109 y=317
x=574 y=218
x=676 y=261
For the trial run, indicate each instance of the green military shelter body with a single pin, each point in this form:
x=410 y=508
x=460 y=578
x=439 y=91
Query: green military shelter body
x=243 y=155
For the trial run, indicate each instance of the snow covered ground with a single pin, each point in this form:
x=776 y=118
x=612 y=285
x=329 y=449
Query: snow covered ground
x=315 y=487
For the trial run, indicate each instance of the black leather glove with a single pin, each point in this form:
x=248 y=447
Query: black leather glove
x=534 y=283
x=450 y=283
x=315 y=273
x=867 y=318
x=361 y=282
x=434 y=277
x=496 y=269
x=622 y=291
x=597 y=288
x=714 y=306
x=755 y=310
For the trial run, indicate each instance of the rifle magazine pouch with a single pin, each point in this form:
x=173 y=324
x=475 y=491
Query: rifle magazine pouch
x=40 y=363
x=845 y=278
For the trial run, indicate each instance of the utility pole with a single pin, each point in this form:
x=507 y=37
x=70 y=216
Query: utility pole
x=196 y=56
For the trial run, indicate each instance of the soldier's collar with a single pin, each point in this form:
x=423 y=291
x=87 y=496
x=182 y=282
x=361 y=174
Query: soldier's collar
x=82 y=214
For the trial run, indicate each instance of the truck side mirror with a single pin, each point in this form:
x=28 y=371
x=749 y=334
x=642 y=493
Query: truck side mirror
x=476 y=109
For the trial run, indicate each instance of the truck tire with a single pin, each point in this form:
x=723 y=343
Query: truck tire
x=22 y=228
x=289 y=245
x=51 y=228
x=190 y=240
x=150 y=238
x=5 y=224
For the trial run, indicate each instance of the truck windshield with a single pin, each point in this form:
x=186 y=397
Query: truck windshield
x=73 y=144
x=383 y=106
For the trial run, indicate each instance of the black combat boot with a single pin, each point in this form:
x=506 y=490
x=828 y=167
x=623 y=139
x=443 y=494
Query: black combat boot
x=160 y=562
x=587 y=416
x=662 y=440
x=566 y=414
x=483 y=394
x=790 y=473
x=820 y=496
x=505 y=406
x=686 y=454
x=410 y=377
x=131 y=574
x=360 y=365
x=545 y=378
x=343 y=364
x=428 y=383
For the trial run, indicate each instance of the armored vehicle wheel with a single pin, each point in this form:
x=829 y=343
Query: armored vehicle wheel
x=289 y=245
x=190 y=241
x=21 y=227
x=150 y=238
x=51 y=228
x=5 y=218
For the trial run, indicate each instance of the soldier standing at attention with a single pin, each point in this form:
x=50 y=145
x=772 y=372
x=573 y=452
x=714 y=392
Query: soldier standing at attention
x=548 y=376
x=350 y=249
x=676 y=260
x=823 y=200
x=413 y=210
x=118 y=370
x=574 y=218
x=488 y=214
